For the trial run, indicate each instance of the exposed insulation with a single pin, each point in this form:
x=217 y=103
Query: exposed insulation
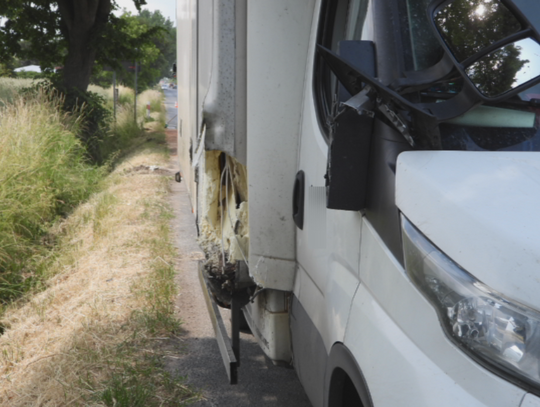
x=223 y=196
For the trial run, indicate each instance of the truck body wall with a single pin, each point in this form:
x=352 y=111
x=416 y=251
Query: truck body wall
x=331 y=291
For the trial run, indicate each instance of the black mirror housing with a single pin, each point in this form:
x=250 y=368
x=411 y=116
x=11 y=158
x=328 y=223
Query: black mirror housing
x=348 y=162
x=348 y=154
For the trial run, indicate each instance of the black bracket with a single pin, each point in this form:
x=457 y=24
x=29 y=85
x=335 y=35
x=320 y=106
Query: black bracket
x=228 y=347
x=229 y=356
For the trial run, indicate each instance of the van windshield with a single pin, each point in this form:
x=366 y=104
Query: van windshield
x=512 y=125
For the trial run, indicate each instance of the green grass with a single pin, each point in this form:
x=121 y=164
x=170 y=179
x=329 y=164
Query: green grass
x=9 y=88
x=43 y=175
x=68 y=233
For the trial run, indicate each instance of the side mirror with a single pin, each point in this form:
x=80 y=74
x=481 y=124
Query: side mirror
x=493 y=44
x=348 y=154
x=348 y=160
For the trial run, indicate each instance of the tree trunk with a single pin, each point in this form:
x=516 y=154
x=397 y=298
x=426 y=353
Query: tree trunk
x=84 y=21
x=78 y=66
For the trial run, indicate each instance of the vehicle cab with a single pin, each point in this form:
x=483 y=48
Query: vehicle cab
x=418 y=257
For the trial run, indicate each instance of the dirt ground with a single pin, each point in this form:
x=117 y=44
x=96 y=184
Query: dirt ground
x=260 y=382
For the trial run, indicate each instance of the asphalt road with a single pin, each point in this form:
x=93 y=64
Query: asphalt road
x=260 y=383
x=172 y=111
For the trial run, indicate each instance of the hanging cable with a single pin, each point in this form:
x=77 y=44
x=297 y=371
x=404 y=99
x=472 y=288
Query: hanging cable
x=229 y=172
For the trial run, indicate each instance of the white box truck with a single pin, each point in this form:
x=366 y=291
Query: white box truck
x=365 y=176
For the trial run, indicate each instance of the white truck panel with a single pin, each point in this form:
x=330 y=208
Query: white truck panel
x=278 y=36
x=187 y=88
x=530 y=400
x=222 y=76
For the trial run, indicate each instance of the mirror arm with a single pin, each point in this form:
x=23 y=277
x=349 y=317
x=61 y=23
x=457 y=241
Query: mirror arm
x=353 y=79
x=427 y=76
x=424 y=123
x=457 y=106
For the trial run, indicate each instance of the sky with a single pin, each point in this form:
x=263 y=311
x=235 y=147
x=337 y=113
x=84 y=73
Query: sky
x=167 y=7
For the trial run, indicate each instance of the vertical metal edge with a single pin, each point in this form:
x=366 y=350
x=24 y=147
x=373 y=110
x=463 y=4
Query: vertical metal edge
x=224 y=343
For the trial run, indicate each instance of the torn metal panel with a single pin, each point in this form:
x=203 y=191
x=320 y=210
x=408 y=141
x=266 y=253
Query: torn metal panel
x=222 y=77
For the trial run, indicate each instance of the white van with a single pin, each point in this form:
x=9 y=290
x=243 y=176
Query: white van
x=366 y=180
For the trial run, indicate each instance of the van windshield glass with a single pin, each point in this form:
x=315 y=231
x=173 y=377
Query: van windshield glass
x=512 y=126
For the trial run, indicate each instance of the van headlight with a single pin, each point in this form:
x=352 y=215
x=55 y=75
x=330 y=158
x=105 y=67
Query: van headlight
x=501 y=334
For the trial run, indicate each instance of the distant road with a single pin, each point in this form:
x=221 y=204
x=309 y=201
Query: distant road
x=170 y=100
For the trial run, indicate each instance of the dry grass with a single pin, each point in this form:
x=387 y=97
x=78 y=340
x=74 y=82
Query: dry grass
x=125 y=95
x=44 y=174
x=10 y=87
x=86 y=339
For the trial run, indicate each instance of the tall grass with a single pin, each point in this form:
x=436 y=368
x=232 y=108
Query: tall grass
x=102 y=331
x=99 y=329
x=125 y=95
x=43 y=175
x=125 y=128
x=9 y=88
x=45 y=172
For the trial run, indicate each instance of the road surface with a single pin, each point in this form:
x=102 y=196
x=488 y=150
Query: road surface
x=260 y=382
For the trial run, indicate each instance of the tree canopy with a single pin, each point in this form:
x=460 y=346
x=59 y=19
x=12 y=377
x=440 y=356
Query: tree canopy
x=70 y=33
x=156 y=55
x=470 y=26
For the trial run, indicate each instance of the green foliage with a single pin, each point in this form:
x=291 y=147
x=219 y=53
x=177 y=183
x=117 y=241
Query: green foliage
x=69 y=33
x=27 y=75
x=151 y=38
x=468 y=32
x=44 y=174
x=6 y=67
x=165 y=43
x=89 y=107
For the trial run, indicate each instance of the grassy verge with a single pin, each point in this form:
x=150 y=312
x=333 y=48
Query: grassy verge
x=96 y=335
x=9 y=88
x=44 y=174
x=86 y=275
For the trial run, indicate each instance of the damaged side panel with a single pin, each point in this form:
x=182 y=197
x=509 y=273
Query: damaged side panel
x=223 y=220
x=216 y=151
x=222 y=76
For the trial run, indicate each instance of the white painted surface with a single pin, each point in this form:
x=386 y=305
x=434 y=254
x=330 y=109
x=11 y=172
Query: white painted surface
x=482 y=210
x=530 y=400
x=399 y=344
x=328 y=247
x=269 y=326
x=28 y=68
x=187 y=98
x=278 y=36
x=221 y=75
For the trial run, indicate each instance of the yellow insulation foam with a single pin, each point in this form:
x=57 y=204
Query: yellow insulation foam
x=215 y=214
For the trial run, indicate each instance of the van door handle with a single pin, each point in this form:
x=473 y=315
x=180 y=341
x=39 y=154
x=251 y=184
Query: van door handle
x=298 y=199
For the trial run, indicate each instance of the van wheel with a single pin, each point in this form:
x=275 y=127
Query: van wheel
x=345 y=383
x=342 y=392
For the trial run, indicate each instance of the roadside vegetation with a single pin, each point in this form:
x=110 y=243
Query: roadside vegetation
x=86 y=262
x=10 y=88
